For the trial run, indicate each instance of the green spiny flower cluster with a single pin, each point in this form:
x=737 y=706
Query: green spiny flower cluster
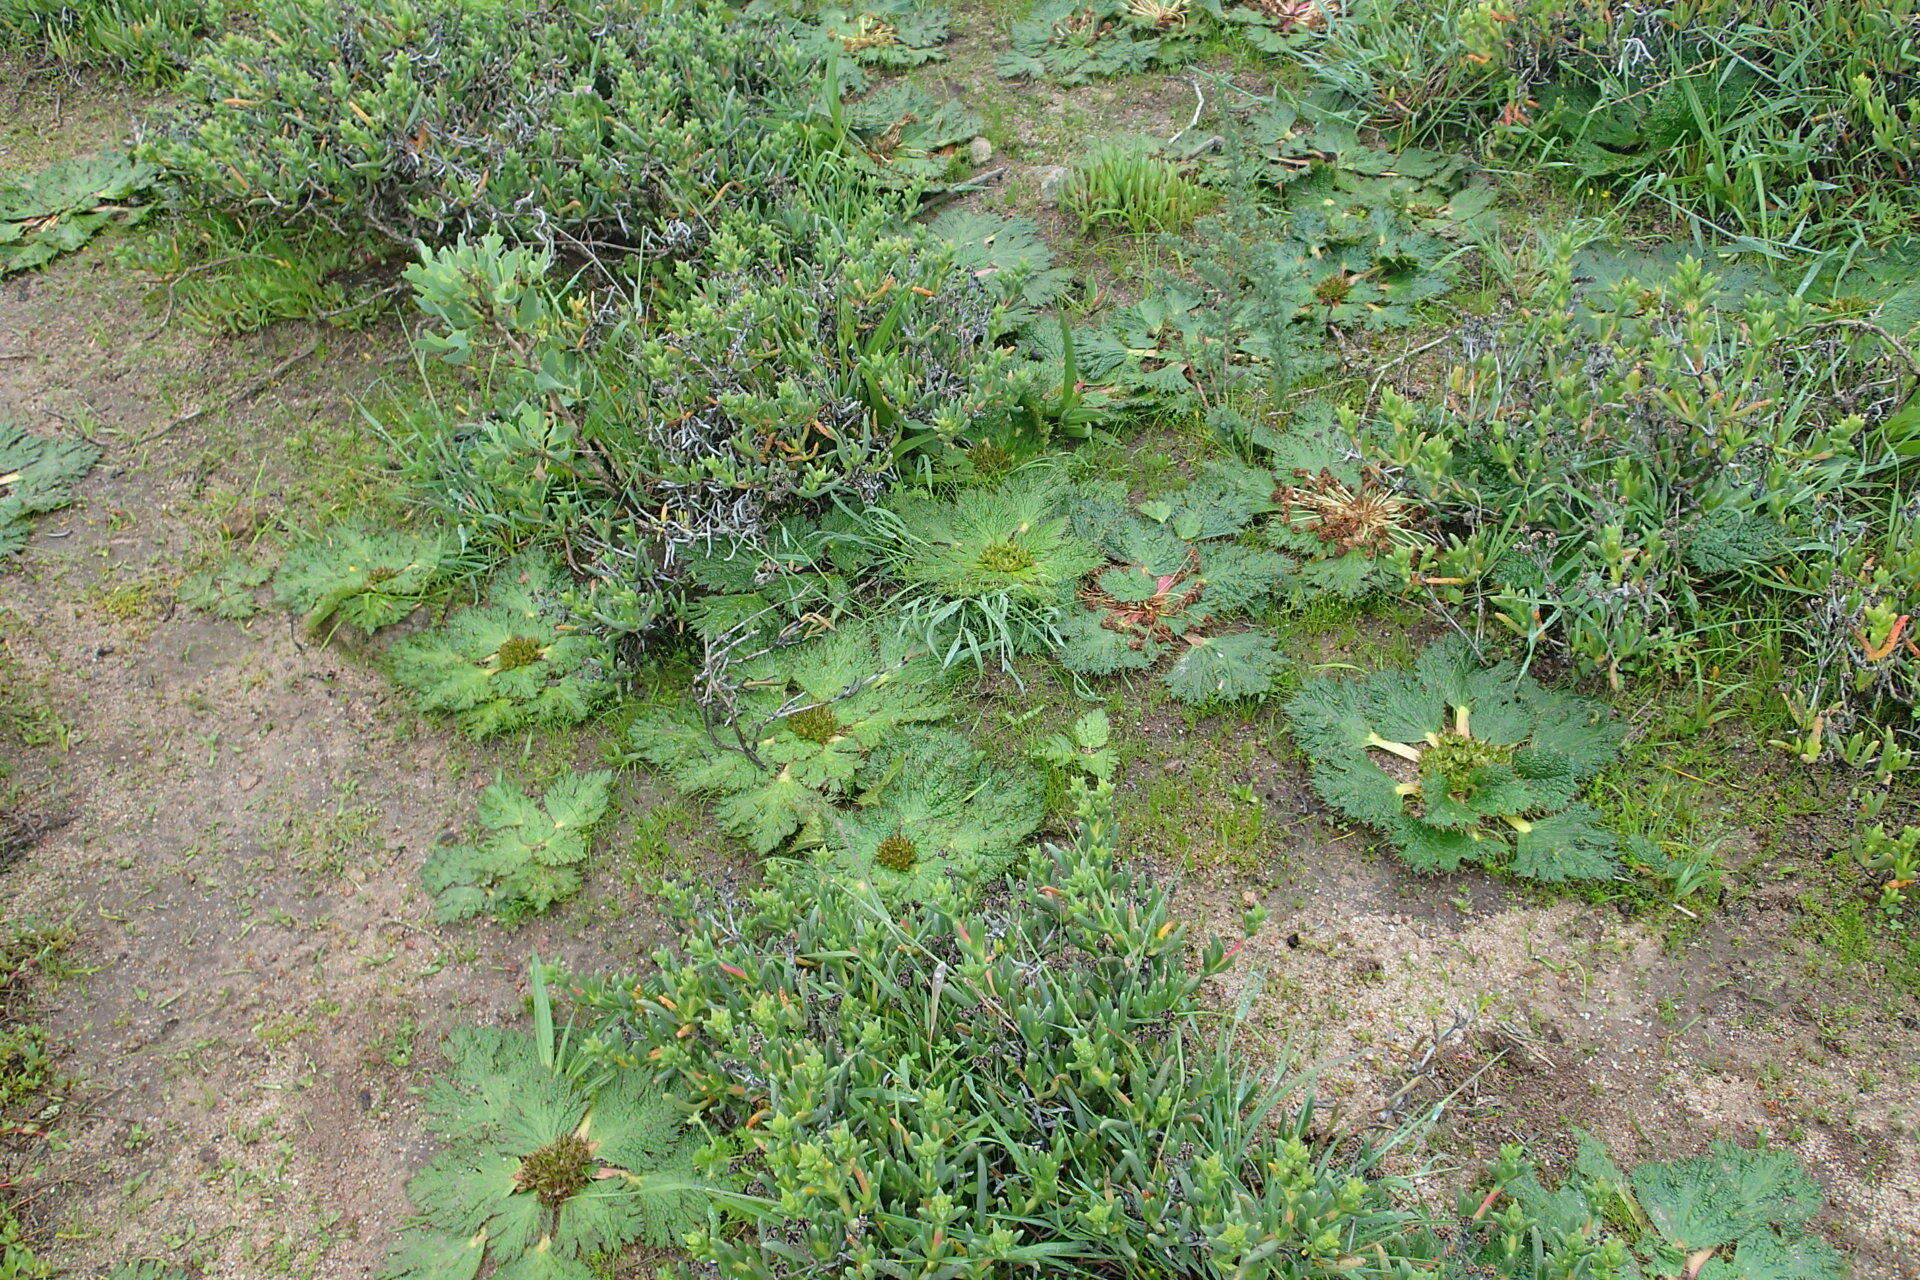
x=641 y=433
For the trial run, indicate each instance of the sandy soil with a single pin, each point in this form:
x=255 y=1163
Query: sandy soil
x=239 y=815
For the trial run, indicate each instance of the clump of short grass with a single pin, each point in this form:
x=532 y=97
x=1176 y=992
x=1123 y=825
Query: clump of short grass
x=1130 y=187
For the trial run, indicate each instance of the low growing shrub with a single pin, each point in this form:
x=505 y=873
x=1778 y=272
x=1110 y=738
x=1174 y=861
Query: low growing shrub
x=1629 y=477
x=641 y=430
x=588 y=125
x=974 y=1088
x=1791 y=120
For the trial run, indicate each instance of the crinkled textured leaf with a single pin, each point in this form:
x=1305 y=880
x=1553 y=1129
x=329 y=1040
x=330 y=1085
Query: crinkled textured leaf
x=1387 y=750
x=37 y=475
x=1360 y=790
x=511 y=663
x=889 y=33
x=908 y=135
x=499 y=1103
x=1082 y=748
x=425 y=1254
x=1088 y=646
x=1237 y=578
x=811 y=712
x=1769 y=1256
x=1426 y=847
x=58 y=209
x=1731 y=540
x=529 y=859
x=1006 y=254
x=67 y=185
x=1221 y=503
x=1728 y=1194
x=962 y=816
x=1071 y=42
x=545 y=1262
x=367 y=577
x=1167 y=588
x=226 y=590
x=1225 y=668
x=1568 y=845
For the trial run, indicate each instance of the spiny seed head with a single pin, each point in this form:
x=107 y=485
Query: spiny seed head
x=1160 y=13
x=557 y=1171
x=815 y=724
x=990 y=457
x=870 y=32
x=1006 y=558
x=897 y=853
x=520 y=651
x=1367 y=517
x=1334 y=290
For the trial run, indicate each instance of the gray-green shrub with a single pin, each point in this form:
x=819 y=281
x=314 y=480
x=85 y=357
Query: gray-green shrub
x=1631 y=476
x=799 y=364
x=591 y=125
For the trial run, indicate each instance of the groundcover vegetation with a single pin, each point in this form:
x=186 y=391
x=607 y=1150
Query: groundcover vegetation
x=743 y=431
